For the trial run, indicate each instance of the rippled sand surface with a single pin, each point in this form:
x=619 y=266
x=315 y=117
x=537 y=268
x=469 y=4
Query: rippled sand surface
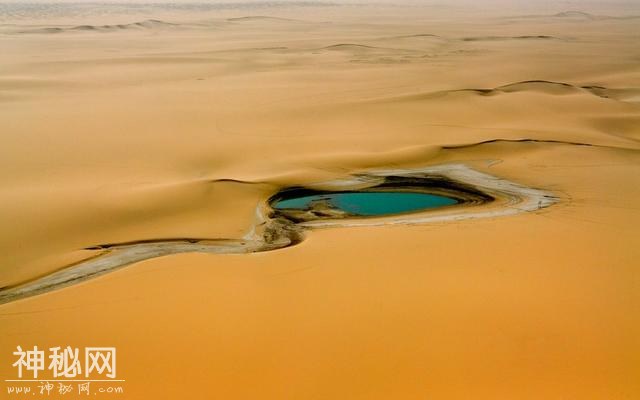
x=125 y=124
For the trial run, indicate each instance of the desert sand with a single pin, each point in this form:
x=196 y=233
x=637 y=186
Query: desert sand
x=123 y=125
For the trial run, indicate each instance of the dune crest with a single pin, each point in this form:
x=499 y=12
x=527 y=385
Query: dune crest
x=149 y=24
x=544 y=87
x=497 y=38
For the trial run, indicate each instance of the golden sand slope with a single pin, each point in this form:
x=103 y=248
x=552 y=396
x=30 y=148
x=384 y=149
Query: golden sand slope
x=119 y=130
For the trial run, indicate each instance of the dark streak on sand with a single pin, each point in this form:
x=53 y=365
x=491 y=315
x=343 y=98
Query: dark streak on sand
x=525 y=140
x=496 y=38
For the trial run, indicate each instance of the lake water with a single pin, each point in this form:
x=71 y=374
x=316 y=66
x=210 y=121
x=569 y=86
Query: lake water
x=370 y=203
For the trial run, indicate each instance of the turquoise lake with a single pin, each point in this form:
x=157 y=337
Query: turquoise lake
x=370 y=203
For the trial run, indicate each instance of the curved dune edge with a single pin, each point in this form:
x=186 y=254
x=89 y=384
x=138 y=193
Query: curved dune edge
x=272 y=230
x=510 y=198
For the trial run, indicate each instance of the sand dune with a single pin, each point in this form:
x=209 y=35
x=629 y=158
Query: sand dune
x=587 y=16
x=150 y=24
x=577 y=16
x=493 y=38
x=262 y=18
x=146 y=155
x=560 y=88
x=361 y=52
x=542 y=87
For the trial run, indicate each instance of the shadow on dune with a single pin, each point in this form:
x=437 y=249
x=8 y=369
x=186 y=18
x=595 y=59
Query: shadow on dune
x=149 y=24
x=543 y=87
x=575 y=16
